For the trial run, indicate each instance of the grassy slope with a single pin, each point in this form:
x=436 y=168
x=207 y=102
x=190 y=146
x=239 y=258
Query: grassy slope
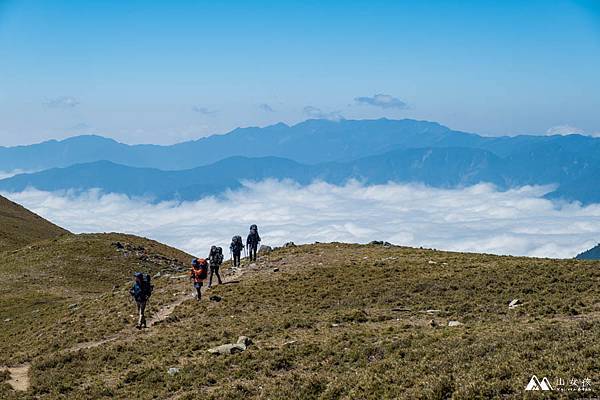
x=323 y=327
x=73 y=289
x=20 y=227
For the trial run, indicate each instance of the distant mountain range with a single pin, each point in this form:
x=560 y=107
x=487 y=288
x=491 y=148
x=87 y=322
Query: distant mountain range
x=591 y=254
x=372 y=151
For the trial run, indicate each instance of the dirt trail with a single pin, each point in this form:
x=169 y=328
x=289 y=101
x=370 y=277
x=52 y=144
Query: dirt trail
x=19 y=380
x=19 y=377
x=164 y=312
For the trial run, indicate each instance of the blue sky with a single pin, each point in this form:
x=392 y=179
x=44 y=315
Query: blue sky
x=167 y=71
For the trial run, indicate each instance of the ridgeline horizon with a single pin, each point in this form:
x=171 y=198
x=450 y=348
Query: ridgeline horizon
x=109 y=137
x=373 y=151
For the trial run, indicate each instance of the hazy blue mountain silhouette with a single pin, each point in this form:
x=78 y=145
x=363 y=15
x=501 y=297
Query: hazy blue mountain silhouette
x=438 y=167
x=311 y=142
x=591 y=254
x=373 y=151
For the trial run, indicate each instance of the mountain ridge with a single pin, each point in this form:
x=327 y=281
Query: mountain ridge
x=446 y=167
x=334 y=151
x=311 y=141
x=21 y=227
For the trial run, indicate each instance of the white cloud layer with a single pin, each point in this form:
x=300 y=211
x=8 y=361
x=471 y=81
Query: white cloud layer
x=474 y=219
x=569 y=130
x=9 y=174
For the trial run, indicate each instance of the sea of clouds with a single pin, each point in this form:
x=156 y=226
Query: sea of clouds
x=474 y=219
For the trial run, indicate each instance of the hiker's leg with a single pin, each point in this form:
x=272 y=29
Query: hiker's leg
x=139 y=313
x=210 y=277
x=218 y=276
x=141 y=306
x=144 y=313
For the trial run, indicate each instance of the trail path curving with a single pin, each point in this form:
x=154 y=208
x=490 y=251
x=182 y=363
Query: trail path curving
x=19 y=375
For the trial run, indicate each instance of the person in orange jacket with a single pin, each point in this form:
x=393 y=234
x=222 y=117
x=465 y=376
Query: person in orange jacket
x=198 y=274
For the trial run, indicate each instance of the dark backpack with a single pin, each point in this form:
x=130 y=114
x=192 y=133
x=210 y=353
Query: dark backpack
x=203 y=270
x=219 y=255
x=236 y=243
x=147 y=286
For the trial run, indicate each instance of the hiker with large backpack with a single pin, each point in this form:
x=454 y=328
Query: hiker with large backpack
x=141 y=292
x=198 y=275
x=215 y=259
x=252 y=242
x=236 y=248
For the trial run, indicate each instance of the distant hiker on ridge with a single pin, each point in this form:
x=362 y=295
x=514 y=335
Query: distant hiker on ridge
x=252 y=242
x=198 y=275
x=215 y=259
x=141 y=292
x=236 y=248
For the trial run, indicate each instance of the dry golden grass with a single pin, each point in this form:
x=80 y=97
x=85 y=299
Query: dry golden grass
x=20 y=227
x=336 y=321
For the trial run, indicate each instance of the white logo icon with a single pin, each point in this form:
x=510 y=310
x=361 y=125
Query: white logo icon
x=536 y=384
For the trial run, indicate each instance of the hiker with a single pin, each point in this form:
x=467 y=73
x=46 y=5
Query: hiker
x=141 y=292
x=252 y=242
x=215 y=259
x=198 y=274
x=236 y=248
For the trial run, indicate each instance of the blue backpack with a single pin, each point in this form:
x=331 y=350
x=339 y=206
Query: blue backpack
x=144 y=290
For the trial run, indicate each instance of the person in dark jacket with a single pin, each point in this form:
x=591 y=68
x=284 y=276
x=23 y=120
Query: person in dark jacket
x=140 y=295
x=215 y=259
x=252 y=242
x=236 y=248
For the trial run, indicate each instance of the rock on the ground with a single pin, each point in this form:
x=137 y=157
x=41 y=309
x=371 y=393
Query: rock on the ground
x=245 y=340
x=275 y=269
x=289 y=244
x=380 y=243
x=432 y=323
x=265 y=249
x=173 y=371
x=232 y=348
x=215 y=298
x=514 y=304
x=229 y=348
x=455 y=323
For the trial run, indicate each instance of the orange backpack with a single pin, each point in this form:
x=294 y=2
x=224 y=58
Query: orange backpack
x=200 y=274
